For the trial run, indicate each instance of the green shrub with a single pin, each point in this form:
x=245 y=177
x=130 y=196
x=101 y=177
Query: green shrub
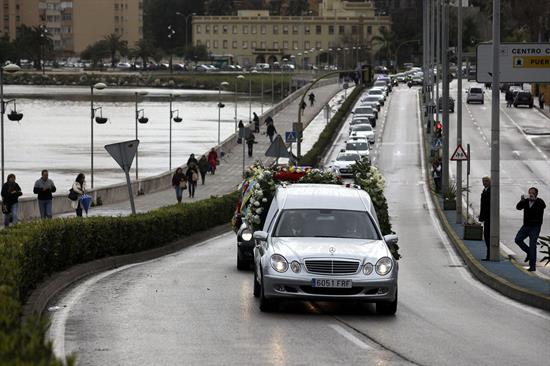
x=318 y=150
x=32 y=251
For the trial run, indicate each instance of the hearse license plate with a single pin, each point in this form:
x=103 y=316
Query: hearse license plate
x=330 y=283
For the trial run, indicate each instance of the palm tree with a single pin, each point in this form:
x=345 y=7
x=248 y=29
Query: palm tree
x=144 y=50
x=116 y=45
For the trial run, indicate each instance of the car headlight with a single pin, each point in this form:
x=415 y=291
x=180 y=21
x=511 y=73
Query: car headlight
x=384 y=266
x=279 y=263
x=246 y=235
x=368 y=268
x=295 y=266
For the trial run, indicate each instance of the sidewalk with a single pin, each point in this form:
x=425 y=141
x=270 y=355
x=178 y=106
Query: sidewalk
x=506 y=276
x=229 y=172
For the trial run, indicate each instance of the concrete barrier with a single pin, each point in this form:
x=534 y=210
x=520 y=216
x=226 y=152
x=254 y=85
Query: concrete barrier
x=28 y=206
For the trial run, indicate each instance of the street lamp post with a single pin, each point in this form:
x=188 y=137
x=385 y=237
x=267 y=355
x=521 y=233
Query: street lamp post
x=459 y=116
x=43 y=32
x=139 y=119
x=262 y=95
x=186 y=18
x=176 y=119
x=272 y=86
x=237 y=78
x=220 y=106
x=250 y=99
x=8 y=68
x=171 y=33
x=98 y=86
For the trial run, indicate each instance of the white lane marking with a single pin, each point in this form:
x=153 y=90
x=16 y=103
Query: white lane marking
x=453 y=257
x=350 y=337
x=524 y=134
x=56 y=333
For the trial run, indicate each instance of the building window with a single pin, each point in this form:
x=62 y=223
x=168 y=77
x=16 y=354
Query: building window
x=198 y=28
x=354 y=29
x=341 y=29
x=207 y=44
x=330 y=29
x=245 y=44
x=215 y=43
x=275 y=29
x=294 y=29
x=306 y=45
x=318 y=45
x=224 y=29
x=262 y=44
x=318 y=29
x=285 y=29
x=253 y=44
x=206 y=28
x=253 y=29
x=235 y=29
x=294 y=45
x=198 y=42
x=245 y=29
x=369 y=29
x=382 y=29
x=116 y=6
x=285 y=45
x=263 y=29
x=215 y=29
x=275 y=44
x=306 y=29
x=234 y=44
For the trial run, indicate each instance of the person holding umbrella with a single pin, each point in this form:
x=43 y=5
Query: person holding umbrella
x=78 y=190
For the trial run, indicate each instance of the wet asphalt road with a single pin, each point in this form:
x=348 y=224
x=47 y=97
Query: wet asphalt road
x=194 y=307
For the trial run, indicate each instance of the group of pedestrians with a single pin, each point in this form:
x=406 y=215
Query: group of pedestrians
x=189 y=179
x=44 y=188
x=533 y=212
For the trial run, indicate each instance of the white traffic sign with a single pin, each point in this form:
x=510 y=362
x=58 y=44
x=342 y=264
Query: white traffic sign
x=459 y=154
x=519 y=62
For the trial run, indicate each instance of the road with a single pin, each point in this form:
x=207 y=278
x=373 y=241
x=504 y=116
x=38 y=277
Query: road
x=194 y=307
x=523 y=161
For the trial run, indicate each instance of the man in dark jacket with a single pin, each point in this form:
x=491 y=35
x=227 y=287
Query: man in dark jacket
x=533 y=211
x=271 y=131
x=10 y=198
x=44 y=187
x=485 y=213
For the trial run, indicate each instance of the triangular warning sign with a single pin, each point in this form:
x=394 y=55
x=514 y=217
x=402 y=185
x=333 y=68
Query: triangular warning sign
x=459 y=154
x=123 y=153
x=278 y=149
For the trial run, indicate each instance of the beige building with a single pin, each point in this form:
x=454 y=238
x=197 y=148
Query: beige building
x=75 y=24
x=253 y=36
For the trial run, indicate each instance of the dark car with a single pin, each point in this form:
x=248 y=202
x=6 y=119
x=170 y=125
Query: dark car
x=523 y=98
x=245 y=246
x=451 y=104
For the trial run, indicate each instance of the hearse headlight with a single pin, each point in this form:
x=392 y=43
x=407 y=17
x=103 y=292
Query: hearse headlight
x=384 y=266
x=295 y=266
x=246 y=235
x=279 y=263
x=368 y=268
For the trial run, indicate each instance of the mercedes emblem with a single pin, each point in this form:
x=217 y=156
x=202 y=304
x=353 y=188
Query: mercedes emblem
x=331 y=250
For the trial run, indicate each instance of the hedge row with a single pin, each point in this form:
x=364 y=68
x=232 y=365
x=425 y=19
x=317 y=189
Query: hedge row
x=30 y=252
x=318 y=151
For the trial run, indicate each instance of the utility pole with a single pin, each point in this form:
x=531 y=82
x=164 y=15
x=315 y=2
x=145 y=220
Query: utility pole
x=459 y=116
x=494 y=252
x=445 y=102
x=437 y=56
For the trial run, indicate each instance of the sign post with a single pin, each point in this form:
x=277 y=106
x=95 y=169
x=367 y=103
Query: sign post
x=244 y=134
x=124 y=153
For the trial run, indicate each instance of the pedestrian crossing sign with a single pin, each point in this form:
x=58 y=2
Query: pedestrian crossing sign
x=459 y=154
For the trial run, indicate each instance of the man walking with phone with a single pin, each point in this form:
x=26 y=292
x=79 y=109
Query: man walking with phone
x=533 y=211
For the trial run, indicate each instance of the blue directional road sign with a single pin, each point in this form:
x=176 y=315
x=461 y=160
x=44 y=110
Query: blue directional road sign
x=291 y=136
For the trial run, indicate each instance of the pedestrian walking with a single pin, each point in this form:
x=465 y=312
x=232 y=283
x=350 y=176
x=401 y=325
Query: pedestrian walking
x=436 y=174
x=271 y=131
x=179 y=182
x=541 y=101
x=509 y=96
x=192 y=175
x=192 y=160
x=303 y=106
x=10 y=200
x=269 y=121
x=311 y=99
x=533 y=211
x=44 y=187
x=212 y=161
x=250 y=141
x=203 y=167
x=239 y=138
x=485 y=214
x=256 y=121
x=76 y=192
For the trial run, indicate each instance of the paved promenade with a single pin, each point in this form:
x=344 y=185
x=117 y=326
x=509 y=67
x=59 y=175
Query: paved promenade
x=229 y=172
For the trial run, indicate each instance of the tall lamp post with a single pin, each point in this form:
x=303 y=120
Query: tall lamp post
x=100 y=120
x=186 y=18
x=250 y=98
x=176 y=119
x=222 y=85
x=171 y=34
x=237 y=78
x=11 y=68
x=43 y=35
x=141 y=120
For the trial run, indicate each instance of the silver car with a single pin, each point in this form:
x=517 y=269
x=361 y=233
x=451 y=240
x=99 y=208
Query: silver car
x=323 y=242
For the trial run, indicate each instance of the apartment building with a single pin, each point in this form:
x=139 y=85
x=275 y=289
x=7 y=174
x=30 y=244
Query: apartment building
x=74 y=24
x=254 y=36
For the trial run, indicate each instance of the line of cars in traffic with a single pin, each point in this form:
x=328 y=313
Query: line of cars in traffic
x=361 y=132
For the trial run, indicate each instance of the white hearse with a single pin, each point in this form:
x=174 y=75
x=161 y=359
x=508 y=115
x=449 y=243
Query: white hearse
x=323 y=242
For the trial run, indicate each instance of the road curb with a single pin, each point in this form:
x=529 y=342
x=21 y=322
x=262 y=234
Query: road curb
x=497 y=283
x=52 y=286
